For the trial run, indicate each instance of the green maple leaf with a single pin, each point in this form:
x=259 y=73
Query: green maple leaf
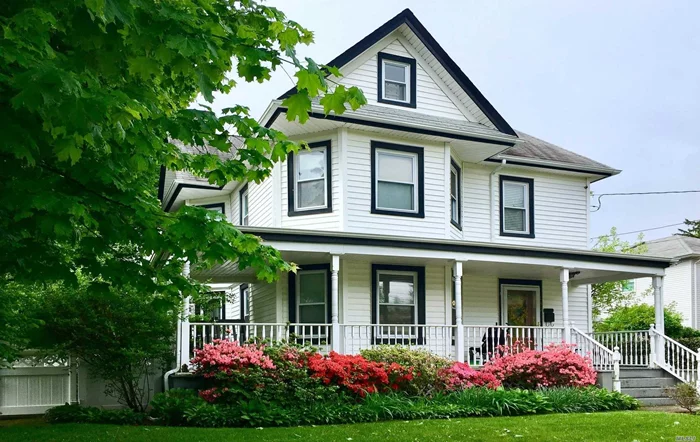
x=335 y=101
x=67 y=150
x=298 y=106
x=309 y=81
x=356 y=98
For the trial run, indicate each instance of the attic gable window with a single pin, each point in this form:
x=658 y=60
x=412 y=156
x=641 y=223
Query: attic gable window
x=396 y=80
x=517 y=206
x=309 y=180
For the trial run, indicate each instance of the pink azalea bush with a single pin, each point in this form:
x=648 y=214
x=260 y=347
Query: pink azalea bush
x=461 y=376
x=228 y=356
x=556 y=366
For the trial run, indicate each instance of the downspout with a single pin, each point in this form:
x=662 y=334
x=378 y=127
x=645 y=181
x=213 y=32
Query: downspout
x=178 y=351
x=491 y=199
x=695 y=294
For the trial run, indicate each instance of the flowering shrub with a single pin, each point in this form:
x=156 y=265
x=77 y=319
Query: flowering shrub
x=426 y=366
x=461 y=376
x=556 y=366
x=225 y=357
x=358 y=375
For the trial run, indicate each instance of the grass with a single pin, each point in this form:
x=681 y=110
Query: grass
x=612 y=426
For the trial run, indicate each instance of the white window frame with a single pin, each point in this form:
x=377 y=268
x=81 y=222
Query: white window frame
x=245 y=208
x=301 y=273
x=407 y=83
x=526 y=209
x=504 y=301
x=455 y=173
x=245 y=299
x=297 y=181
x=391 y=332
x=397 y=153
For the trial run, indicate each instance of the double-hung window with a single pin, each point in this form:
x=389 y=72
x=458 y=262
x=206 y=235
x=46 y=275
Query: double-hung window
x=243 y=197
x=398 y=302
x=455 y=192
x=309 y=180
x=397 y=180
x=517 y=207
x=396 y=80
x=312 y=290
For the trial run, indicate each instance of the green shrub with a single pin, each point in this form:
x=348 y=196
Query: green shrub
x=426 y=366
x=75 y=413
x=692 y=343
x=640 y=317
x=170 y=407
x=685 y=395
x=398 y=406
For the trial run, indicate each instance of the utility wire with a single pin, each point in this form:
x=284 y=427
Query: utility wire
x=638 y=231
x=639 y=193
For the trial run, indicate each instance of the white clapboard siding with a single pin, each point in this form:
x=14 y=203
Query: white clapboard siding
x=260 y=203
x=431 y=99
x=263 y=302
x=319 y=221
x=357 y=281
x=358 y=201
x=233 y=302
x=561 y=204
x=435 y=295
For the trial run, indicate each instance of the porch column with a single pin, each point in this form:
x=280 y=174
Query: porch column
x=335 y=326
x=184 y=338
x=657 y=282
x=564 y=279
x=459 y=332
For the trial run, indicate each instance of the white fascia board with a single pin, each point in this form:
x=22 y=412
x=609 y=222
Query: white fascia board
x=548 y=163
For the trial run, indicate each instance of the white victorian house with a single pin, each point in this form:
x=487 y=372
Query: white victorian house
x=421 y=219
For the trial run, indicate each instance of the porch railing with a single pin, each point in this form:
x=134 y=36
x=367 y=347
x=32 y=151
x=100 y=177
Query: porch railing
x=438 y=339
x=602 y=357
x=677 y=359
x=635 y=346
x=314 y=335
x=482 y=342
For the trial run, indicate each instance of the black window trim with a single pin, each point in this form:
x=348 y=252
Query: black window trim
x=243 y=190
x=420 y=300
x=411 y=62
x=291 y=189
x=243 y=300
x=453 y=164
x=221 y=206
x=531 y=205
x=292 y=291
x=420 y=213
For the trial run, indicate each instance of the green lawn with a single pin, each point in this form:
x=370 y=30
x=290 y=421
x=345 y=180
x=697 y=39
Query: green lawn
x=614 y=426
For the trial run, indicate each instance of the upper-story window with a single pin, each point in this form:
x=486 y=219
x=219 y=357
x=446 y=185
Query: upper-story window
x=397 y=180
x=243 y=197
x=215 y=207
x=517 y=207
x=396 y=80
x=455 y=195
x=309 y=180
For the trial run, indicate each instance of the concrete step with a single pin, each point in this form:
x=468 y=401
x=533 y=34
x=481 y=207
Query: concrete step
x=656 y=401
x=643 y=373
x=647 y=392
x=646 y=382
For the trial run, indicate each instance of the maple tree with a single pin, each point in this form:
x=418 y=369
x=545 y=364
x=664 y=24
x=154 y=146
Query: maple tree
x=92 y=92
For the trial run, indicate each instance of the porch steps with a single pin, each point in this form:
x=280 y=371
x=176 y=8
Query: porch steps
x=647 y=385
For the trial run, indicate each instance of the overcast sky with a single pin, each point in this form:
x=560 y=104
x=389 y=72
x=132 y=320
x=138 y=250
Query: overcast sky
x=617 y=81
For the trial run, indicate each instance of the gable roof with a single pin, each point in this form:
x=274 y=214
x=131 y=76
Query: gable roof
x=675 y=246
x=531 y=150
x=406 y=17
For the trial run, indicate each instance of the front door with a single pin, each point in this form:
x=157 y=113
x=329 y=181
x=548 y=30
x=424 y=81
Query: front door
x=520 y=305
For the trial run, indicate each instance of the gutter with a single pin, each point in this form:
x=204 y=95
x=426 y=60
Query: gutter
x=491 y=197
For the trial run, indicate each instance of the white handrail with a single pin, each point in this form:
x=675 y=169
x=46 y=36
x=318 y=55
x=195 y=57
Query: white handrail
x=677 y=359
x=602 y=357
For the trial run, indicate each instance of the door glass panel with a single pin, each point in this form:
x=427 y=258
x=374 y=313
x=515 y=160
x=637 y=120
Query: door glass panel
x=521 y=307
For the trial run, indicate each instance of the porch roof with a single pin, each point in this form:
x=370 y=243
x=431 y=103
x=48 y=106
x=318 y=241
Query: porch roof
x=306 y=246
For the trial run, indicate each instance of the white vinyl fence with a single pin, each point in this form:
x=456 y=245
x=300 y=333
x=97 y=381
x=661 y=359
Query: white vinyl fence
x=36 y=384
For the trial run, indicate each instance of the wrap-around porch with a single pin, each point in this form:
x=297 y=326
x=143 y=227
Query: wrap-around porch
x=457 y=300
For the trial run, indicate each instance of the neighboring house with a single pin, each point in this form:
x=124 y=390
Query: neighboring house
x=422 y=218
x=682 y=281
